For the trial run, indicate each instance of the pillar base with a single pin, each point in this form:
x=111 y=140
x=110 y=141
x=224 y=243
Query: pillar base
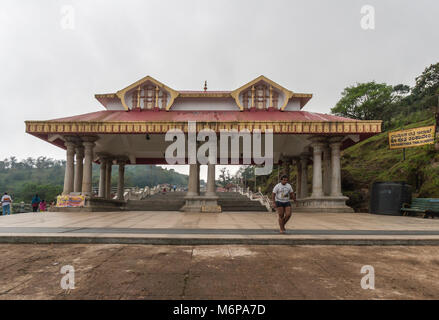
x=205 y=204
x=324 y=204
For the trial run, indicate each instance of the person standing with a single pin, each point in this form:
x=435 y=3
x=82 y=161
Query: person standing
x=43 y=206
x=6 y=204
x=282 y=193
x=35 y=203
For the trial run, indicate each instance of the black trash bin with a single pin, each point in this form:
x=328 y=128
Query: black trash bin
x=388 y=197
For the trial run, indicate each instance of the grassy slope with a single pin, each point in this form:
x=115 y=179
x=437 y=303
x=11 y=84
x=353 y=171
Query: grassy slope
x=372 y=160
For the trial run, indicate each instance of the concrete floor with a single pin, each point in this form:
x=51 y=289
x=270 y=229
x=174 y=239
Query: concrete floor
x=193 y=228
x=217 y=271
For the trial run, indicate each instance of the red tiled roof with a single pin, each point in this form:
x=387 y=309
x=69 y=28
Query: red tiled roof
x=203 y=116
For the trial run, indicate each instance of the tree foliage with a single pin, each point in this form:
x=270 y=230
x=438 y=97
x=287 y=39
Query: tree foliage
x=45 y=176
x=364 y=101
x=396 y=105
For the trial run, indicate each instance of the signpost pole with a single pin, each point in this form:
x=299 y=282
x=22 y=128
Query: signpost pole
x=436 y=116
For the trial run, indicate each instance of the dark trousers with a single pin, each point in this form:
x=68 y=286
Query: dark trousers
x=34 y=209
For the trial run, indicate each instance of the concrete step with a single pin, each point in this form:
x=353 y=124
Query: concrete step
x=174 y=201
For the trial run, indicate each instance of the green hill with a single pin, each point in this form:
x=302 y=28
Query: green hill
x=371 y=160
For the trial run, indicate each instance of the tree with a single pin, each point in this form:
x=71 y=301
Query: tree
x=364 y=101
x=427 y=84
x=225 y=177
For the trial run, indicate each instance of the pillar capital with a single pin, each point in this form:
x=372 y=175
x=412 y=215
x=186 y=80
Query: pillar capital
x=70 y=145
x=89 y=139
x=318 y=140
x=335 y=140
x=72 y=139
x=121 y=160
x=103 y=157
x=318 y=143
x=304 y=157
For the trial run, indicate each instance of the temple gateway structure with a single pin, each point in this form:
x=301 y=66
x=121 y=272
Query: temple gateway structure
x=131 y=130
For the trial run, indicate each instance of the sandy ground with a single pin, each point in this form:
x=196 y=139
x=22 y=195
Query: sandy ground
x=218 y=272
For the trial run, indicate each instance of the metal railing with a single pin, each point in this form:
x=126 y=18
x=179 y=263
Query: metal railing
x=257 y=196
x=137 y=193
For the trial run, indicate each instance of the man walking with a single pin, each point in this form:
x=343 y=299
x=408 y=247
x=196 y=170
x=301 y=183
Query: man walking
x=281 y=201
x=6 y=203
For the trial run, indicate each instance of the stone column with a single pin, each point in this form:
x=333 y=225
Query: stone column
x=335 y=145
x=88 y=166
x=304 y=177
x=298 y=179
x=198 y=179
x=288 y=167
x=211 y=190
x=193 y=180
x=102 y=177
x=70 y=169
x=121 y=181
x=317 y=179
x=79 y=168
x=108 y=179
x=326 y=170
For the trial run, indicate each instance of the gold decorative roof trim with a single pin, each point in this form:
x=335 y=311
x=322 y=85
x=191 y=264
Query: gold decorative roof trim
x=137 y=127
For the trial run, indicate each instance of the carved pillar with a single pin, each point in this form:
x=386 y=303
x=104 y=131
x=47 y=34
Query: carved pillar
x=317 y=179
x=326 y=170
x=102 y=177
x=304 y=176
x=288 y=167
x=211 y=190
x=121 y=179
x=79 y=168
x=108 y=179
x=299 y=179
x=88 y=166
x=193 y=180
x=198 y=179
x=335 y=145
x=70 y=169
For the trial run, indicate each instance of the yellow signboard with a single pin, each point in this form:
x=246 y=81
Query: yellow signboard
x=70 y=201
x=412 y=137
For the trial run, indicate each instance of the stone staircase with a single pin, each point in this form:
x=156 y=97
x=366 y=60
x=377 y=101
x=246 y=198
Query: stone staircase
x=173 y=201
x=234 y=201
x=169 y=201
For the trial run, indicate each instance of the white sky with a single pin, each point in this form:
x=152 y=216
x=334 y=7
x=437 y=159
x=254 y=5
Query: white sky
x=315 y=47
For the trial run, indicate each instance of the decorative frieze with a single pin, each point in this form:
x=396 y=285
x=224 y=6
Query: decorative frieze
x=315 y=127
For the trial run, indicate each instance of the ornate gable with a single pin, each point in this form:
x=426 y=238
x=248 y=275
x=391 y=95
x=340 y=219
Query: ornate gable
x=261 y=94
x=147 y=94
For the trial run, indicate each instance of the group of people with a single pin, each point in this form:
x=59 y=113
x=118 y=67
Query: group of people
x=38 y=204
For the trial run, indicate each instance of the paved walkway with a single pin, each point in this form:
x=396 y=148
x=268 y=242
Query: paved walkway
x=223 y=228
x=115 y=271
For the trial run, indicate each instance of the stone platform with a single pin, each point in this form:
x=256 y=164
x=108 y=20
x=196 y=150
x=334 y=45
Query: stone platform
x=181 y=228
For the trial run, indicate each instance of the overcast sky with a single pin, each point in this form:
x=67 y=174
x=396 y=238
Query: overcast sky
x=319 y=47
